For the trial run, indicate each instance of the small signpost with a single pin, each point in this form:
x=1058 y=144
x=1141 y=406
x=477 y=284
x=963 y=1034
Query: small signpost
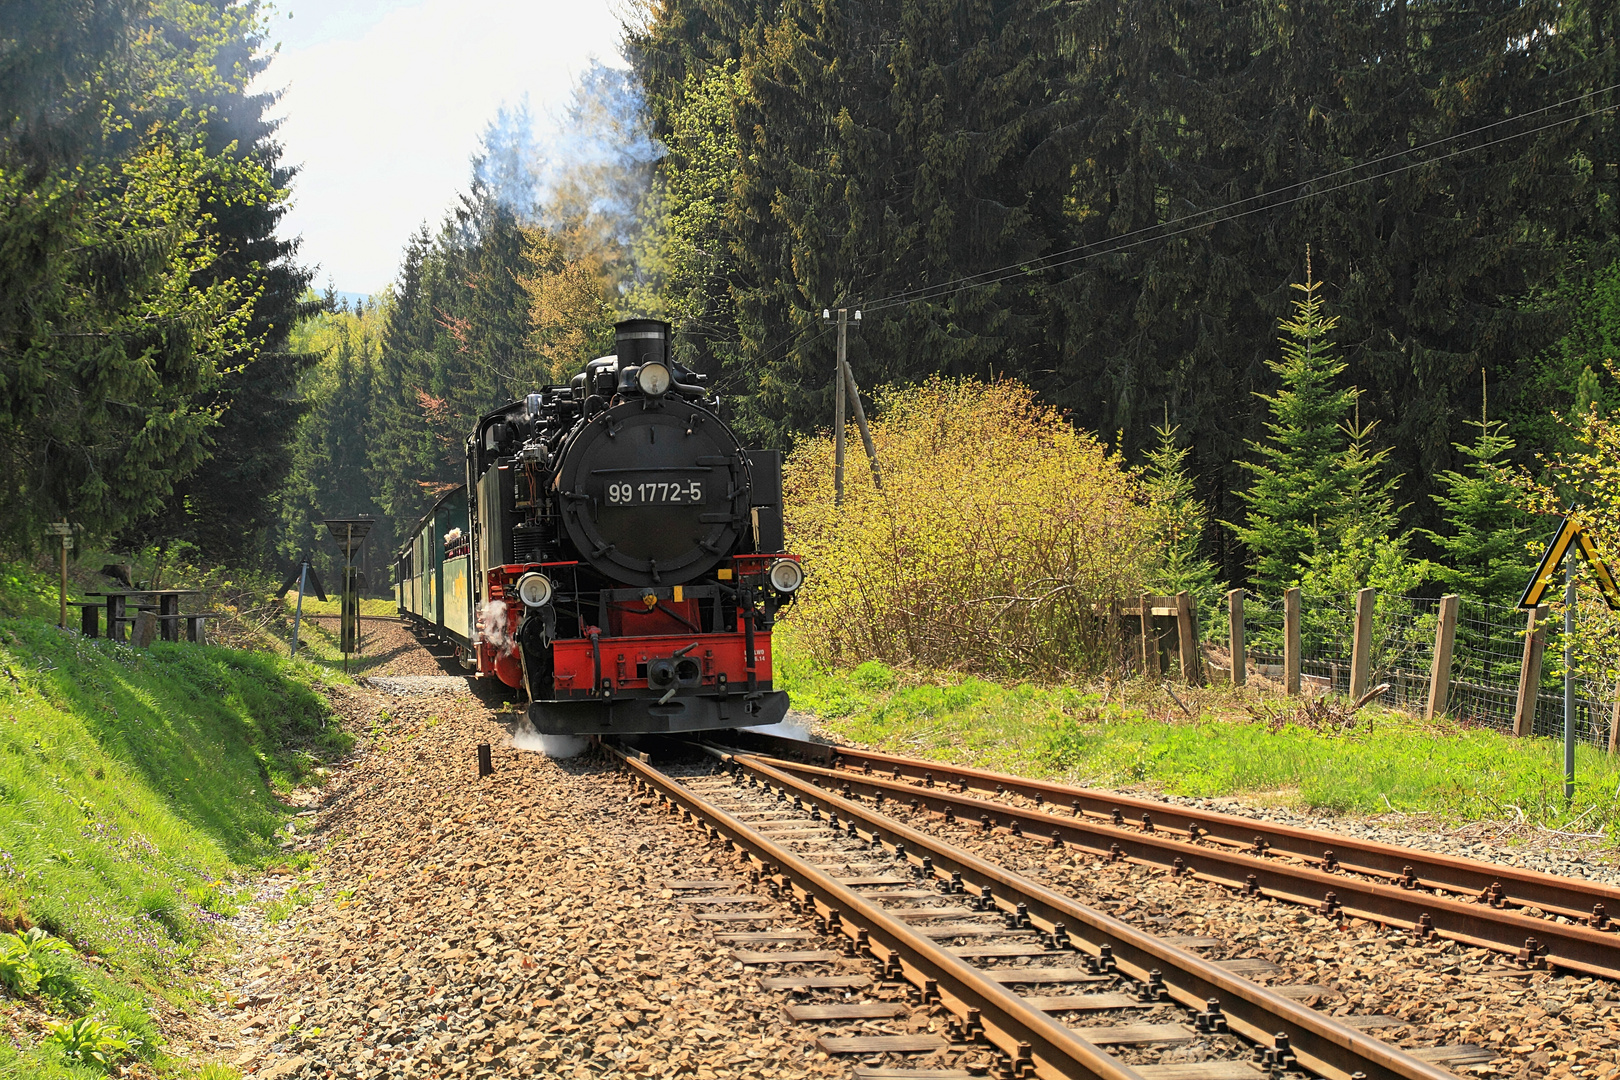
x=350 y=534
x=1570 y=534
x=304 y=576
x=63 y=531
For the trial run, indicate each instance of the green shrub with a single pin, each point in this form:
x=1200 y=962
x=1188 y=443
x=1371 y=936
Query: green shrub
x=25 y=960
x=998 y=530
x=92 y=1042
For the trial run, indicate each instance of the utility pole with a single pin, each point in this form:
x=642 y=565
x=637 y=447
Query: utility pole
x=838 y=409
x=846 y=392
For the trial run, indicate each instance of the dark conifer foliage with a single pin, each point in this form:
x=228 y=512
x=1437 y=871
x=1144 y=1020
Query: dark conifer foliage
x=226 y=505
x=1149 y=177
x=134 y=246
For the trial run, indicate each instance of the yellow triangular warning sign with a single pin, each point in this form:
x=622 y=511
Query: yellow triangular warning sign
x=1569 y=532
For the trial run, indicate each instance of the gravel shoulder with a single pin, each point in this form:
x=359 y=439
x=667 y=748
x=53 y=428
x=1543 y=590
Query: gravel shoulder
x=511 y=925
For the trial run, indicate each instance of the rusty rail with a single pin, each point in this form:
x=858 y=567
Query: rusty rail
x=1501 y=886
x=1031 y=1039
x=1282 y=1026
x=1531 y=940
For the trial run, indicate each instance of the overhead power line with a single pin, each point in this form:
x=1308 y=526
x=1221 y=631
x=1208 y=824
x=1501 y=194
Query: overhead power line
x=1205 y=219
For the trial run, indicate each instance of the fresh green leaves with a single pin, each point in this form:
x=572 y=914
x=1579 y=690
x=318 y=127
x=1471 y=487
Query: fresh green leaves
x=92 y=1042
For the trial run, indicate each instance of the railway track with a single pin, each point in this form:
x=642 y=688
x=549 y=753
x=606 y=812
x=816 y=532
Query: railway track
x=1536 y=919
x=986 y=946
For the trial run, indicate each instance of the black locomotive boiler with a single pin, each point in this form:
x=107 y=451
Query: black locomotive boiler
x=615 y=553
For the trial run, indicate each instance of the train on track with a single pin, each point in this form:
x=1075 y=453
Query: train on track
x=615 y=553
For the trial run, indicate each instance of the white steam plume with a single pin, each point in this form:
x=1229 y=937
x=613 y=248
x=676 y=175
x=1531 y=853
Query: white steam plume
x=553 y=746
x=492 y=627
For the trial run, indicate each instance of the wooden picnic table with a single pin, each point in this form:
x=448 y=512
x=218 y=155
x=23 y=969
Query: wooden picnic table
x=166 y=608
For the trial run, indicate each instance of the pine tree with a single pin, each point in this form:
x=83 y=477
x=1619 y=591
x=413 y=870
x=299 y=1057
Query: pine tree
x=1486 y=533
x=1298 y=484
x=1179 y=521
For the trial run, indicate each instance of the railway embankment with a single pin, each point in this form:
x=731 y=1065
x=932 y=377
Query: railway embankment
x=140 y=792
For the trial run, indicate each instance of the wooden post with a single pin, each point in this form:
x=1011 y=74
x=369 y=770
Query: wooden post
x=1234 y=616
x=1150 y=648
x=1187 y=635
x=853 y=392
x=838 y=410
x=1535 y=647
x=1361 y=649
x=1445 y=637
x=1291 y=641
x=1614 y=724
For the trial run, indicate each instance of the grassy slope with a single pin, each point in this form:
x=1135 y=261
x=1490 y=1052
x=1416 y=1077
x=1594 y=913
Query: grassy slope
x=134 y=786
x=1391 y=762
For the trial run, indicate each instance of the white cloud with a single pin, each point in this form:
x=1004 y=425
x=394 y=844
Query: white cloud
x=383 y=110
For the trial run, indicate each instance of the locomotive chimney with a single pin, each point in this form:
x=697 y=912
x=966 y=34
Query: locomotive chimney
x=639 y=341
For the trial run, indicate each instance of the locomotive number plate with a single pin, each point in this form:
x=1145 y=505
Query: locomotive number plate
x=656 y=492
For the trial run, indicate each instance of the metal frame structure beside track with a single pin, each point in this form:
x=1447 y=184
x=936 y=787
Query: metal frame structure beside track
x=1531 y=940
x=1034 y=1041
x=1317 y=1042
x=1408 y=868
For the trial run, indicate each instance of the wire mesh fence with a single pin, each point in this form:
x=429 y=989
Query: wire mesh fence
x=1487 y=659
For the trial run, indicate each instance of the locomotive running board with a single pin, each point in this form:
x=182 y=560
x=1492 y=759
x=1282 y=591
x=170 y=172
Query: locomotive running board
x=627 y=716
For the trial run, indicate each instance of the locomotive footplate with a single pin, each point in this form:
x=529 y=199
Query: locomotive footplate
x=631 y=715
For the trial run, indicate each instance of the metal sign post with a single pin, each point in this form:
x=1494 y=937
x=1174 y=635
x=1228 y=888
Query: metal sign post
x=1571 y=535
x=1569 y=680
x=350 y=533
x=298 y=612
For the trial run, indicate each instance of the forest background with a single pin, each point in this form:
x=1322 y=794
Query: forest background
x=1107 y=202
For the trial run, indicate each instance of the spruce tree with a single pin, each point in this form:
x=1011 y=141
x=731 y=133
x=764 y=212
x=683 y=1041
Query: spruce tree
x=1298 y=483
x=1486 y=531
x=1179 y=519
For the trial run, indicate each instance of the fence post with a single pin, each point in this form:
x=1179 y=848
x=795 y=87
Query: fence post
x=1150 y=647
x=1445 y=637
x=1535 y=647
x=1614 y=724
x=1361 y=648
x=1187 y=635
x=1291 y=641
x=1234 y=616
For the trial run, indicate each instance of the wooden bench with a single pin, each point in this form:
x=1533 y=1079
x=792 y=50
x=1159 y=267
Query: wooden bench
x=193 y=623
x=117 y=628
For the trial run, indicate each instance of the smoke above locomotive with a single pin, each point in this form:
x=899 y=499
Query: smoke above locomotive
x=615 y=554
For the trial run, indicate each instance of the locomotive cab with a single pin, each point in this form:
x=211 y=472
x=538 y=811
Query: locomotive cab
x=628 y=550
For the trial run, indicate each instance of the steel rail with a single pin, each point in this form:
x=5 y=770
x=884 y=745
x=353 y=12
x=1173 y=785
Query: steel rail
x=1034 y=1042
x=1286 y=1027
x=1531 y=940
x=1407 y=867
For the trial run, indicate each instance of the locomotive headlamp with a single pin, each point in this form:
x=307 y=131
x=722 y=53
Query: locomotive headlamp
x=786 y=575
x=653 y=379
x=534 y=589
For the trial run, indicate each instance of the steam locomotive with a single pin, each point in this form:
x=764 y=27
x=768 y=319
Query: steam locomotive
x=615 y=553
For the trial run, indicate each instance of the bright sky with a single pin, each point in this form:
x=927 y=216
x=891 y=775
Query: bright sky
x=385 y=101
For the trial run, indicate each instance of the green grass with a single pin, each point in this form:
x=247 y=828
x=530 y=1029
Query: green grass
x=1390 y=762
x=137 y=788
x=320 y=643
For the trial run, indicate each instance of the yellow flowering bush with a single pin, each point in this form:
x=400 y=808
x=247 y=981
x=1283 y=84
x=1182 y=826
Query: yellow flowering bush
x=998 y=530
